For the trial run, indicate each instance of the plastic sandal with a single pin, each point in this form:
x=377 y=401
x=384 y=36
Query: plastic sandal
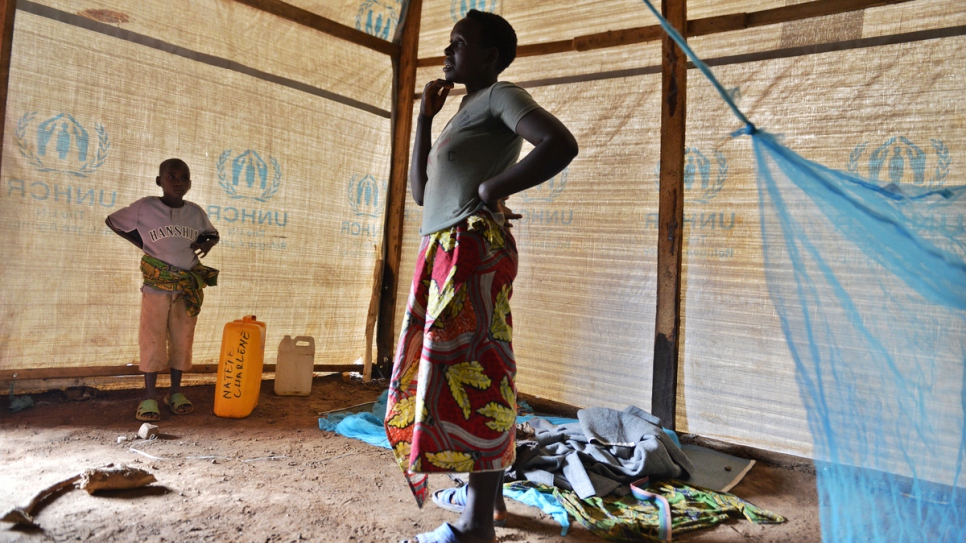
x=148 y=411
x=179 y=404
x=443 y=534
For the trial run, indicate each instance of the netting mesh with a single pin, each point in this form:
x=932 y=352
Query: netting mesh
x=870 y=284
x=868 y=277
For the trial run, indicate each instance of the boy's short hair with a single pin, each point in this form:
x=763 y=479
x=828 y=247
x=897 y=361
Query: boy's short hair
x=171 y=162
x=496 y=32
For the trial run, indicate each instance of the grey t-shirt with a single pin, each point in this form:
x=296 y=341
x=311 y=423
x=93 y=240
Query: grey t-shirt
x=479 y=142
x=167 y=232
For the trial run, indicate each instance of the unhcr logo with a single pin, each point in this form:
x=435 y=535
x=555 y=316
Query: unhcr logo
x=367 y=198
x=458 y=8
x=378 y=18
x=367 y=195
x=61 y=144
x=247 y=177
x=537 y=211
x=546 y=191
x=899 y=160
x=703 y=179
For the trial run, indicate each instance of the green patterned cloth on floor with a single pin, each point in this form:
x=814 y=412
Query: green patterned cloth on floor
x=627 y=519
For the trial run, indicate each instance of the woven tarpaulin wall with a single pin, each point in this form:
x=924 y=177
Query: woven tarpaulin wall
x=841 y=90
x=288 y=146
x=585 y=270
x=583 y=304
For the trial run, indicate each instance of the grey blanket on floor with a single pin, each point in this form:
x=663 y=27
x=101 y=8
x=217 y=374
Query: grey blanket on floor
x=601 y=453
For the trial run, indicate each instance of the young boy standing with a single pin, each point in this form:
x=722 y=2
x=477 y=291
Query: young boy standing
x=173 y=233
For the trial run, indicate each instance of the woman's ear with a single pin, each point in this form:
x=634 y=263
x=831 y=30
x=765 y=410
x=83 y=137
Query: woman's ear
x=492 y=55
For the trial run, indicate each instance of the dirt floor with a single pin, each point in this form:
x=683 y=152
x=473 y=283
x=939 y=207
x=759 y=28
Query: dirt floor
x=274 y=476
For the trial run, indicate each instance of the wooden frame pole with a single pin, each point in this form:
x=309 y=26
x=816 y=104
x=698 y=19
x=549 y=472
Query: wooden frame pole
x=8 y=10
x=404 y=82
x=670 y=219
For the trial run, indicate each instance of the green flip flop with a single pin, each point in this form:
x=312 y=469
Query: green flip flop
x=148 y=411
x=179 y=404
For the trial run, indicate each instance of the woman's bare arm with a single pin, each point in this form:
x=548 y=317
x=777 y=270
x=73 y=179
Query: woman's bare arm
x=553 y=149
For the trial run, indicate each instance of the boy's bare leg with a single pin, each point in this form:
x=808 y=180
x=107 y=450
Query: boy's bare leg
x=475 y=525
x=146 y=411
x=175 y=382
x=150 y=385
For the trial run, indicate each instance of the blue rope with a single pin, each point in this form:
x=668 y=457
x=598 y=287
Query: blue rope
x=749 y=128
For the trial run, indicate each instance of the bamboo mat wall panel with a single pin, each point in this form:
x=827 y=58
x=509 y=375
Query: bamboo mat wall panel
x=851 y=30
x=583 y=301
x=252 y=38
x=534 y=22
x=713 y=8
x=293 y=240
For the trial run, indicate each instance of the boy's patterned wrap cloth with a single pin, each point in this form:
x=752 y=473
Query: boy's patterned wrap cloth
x=162 y=276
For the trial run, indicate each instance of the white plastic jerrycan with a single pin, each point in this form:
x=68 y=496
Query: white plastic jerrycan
x=293 y=372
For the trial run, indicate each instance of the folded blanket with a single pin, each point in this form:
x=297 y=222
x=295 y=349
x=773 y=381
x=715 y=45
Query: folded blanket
x=601 y=453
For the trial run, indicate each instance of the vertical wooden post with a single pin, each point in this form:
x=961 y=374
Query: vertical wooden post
x=404 y=83
x=670 y=219
x=8 y=9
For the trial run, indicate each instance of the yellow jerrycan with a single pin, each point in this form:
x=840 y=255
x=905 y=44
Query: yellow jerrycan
x=293 y=372
x=240 y=368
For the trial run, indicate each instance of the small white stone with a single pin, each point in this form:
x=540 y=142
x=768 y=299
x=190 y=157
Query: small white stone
x=121 y=439
x=148 y=430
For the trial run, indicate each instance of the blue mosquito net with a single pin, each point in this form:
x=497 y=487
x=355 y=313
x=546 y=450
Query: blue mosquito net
x=869 y=281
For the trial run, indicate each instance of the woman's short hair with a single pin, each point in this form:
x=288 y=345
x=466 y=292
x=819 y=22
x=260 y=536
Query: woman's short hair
x=496 y=32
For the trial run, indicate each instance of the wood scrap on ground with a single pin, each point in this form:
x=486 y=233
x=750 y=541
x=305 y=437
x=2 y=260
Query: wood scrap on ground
x=109 y=477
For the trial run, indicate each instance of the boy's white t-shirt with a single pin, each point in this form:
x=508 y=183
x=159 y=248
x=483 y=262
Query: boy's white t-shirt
x=166 y=232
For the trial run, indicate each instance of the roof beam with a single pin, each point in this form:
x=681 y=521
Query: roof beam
x=320 y=23
x=697 y=27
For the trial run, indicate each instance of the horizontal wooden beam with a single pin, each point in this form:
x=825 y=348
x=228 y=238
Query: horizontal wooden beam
x=696 y=27
x=547 y=48
x=719 y=24
x=614 y=38
x=121 y=371
x=320 y=23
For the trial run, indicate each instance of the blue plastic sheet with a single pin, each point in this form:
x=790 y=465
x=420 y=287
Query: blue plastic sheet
x=367 y=426
x=544 y=501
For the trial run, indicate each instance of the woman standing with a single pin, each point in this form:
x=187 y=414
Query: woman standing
x=452 y=398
